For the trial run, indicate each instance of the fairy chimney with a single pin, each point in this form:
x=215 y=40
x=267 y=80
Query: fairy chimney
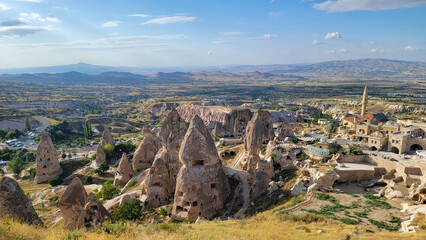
x=145 y=153
x=124 y=172
x=47 y=163
x=202 y=186
x=72 y=203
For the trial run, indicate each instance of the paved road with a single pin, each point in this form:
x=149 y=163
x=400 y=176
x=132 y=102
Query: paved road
x=29 y=143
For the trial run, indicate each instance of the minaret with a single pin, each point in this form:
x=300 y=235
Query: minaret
x=364 y=102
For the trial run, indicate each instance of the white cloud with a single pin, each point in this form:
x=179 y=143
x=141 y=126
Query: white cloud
x=343 y=50
x=231 y=33
x=33 y=1
x=377 y=50
x=269 y=36
x=20 y=30
x=209 y=53
x=30 y=17
x=139 y=15
x=3 y=8
x=111 y=24
x=316 y=42
x=104 y=43
x=331 y=52
x=410 y=48
x=333 y=35
x=274 y=14
x=366 y=5
x=166 y=20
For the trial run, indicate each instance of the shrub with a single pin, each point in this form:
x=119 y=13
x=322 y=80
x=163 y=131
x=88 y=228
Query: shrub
x=93 y=157
x=1 y=172
x=163 y=212
x=74 y=235
x=131 y=210
x=132 y=183
x=88 y=180
x=137 y=170
x=102 y=168
x=107 y=192
x=55 y=181
x=33 y=172
x=273 y=156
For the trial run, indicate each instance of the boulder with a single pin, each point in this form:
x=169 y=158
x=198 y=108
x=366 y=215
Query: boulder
x=145 y=153
x=47 y=163
x=107 y=138
x=93 y=214
x=124 y=172
x=202 y=186
x=15 y=204
x=72 y=203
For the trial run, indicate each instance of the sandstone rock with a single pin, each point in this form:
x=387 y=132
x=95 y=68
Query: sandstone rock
x=285 y=132
x=145 y=154
x=94 y=214
x=100 y=156
x=124 y=172
x=107 y=138
x=14 y=203
x=312 y=179
x=395 y=194
x=259 y=132
x=202 y=186
x=47 y=166
x=72 y=203
x=160 y=182
x=234 y=124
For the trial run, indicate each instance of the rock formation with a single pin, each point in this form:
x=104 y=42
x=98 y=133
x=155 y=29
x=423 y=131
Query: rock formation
x=160 y=182
x=14 y=203
x=234 y=124
x=124 y=172
x=259 y=132
x=107 y=138
x=100 y=156
x=72 y=203
x=47 y=166
x=285 y=132
x=93 y=214
x=202 y=186
x=145 y=154
x=311 y=179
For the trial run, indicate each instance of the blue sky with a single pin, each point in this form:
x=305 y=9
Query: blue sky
x=207 y=32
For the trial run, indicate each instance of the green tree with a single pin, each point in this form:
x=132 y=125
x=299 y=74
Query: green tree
x=102 y=168
x=64 y=155
x=109 y=151
x=16 y=166
x=88 y=130
x=332 y=127
x=27 y=124
x=131 y=210
x=107 y=192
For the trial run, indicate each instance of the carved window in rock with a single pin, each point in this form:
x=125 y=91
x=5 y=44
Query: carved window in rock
x=197 y=162
x=213 y=186
x=45 y=166
x=194 y=204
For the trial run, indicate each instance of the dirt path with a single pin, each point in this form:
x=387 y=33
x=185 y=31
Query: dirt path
x=242 y=177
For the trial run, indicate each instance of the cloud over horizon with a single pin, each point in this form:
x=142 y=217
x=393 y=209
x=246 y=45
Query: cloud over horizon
x=166 y=20
x=332 y=6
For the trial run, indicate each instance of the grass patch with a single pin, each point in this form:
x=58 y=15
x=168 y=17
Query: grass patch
x=383 y=225
x=376 y=202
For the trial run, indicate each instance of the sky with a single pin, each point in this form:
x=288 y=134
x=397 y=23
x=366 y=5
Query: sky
x=162 y=33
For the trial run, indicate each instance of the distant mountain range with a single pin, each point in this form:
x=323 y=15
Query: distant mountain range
x=360 y=68
x=131 y=78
